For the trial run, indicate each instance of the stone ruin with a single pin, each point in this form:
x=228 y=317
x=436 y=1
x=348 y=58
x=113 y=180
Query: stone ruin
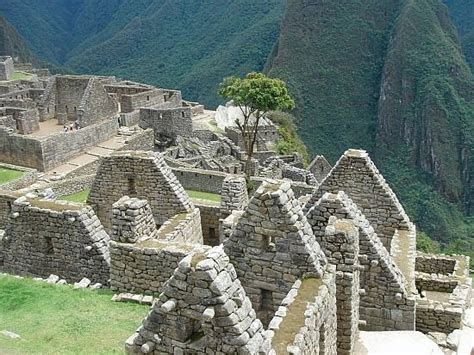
x=305 y=263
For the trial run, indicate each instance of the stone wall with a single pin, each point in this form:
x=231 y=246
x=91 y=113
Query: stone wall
x=169 y=123
x=386 y=302
x=6 y=201
x=359 y=178
x=66 y=239
x=203 y=309
x=96 y=105
x=319 y=167
x=200 y=180
x=48 y=152
x=234 y=194
x=341 y=247
x=132 y=102
x=143 y=175
x=210 y=215
x=272 y=246
x=132 y=220
x=435 y=264
x=315 y=332
x=60 y=147
x=143 y=268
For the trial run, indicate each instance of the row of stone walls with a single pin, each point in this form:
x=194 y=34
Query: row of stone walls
x=315 y=333
x=272 y=246
x=435 y=282
x=66 y=239
x=435 y=264
x=144 y=268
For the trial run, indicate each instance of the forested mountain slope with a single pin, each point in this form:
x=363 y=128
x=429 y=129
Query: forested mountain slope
x=12 y=44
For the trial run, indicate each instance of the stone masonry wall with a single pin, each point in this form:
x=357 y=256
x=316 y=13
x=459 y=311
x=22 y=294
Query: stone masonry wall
x=66 y=239
x=142 y=175
x=316 y=332
x=169 y=123
x=234 y=194
x=359 y=178
x=143 y=268
x=132 y=220
x=272 y=246
x=210 y=215
x=385 y=302
x=6 y=68
x=341 y=247
x=435 y=264
x=96 y=105
x=203 y=309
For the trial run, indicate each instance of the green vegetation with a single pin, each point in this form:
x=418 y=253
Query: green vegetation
x=290 y=141
x=19 y=75
x=255 y=95
x=7 y=175
x=60 y=320
x=205 y=196
x=12 y=44
x=80 y=196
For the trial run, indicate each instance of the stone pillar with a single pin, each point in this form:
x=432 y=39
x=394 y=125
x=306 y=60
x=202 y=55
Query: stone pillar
x=233 y=194
x=341 y=246
x=132 y=220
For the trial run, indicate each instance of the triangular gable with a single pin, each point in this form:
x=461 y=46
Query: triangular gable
x=203 y=307
x=356 y=175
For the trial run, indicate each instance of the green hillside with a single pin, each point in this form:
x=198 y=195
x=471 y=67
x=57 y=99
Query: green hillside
x=462 y=13
x=388 y=77
x=12 y=44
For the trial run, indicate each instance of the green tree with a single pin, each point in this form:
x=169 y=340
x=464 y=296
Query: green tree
x=255 y=95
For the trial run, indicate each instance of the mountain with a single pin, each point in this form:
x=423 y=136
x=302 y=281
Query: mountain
x=12 y=44
x=187 y=44
x=462 y=13
x=389 y=77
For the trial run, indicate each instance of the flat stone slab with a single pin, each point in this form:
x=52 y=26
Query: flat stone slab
x=395 y=343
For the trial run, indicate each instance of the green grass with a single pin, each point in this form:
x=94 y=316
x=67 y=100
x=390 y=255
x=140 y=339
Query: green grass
x=19 y=75
x=7 y=175
x=80 y=196
x=59 y=320
x=207 y=196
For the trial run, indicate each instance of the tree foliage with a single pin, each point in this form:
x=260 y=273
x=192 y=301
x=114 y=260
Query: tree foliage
x=255 y=95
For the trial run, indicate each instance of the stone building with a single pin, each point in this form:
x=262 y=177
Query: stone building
x=143 y=175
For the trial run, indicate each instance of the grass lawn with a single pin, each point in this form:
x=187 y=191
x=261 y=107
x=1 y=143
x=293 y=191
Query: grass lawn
x=80 y=196
x=206 y=196
x=60 y=320
x=19 y=75
x=7 y=175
